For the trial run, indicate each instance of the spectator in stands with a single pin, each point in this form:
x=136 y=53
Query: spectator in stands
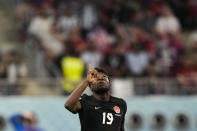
x=76 y=40
x=137 y=59
x=73 y=70
x=119 y=11
x=88 y=15
x=14 y=71
x=67 y=21
x=149 y=17
x=144 y=39
x=100 y=39
x=115 y=62
x=23 y=14
x=192 y=40
x=41 y=27
x=169 y=45
x=187 y=74
x=169 y=52
x=91 y=56
x=167 y=22
x=191 y=6
x=121 y=34
x=139 y=16
x=104 y=15
x=24 y=122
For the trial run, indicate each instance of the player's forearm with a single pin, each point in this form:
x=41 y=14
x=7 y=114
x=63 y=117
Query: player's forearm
x=74 y=96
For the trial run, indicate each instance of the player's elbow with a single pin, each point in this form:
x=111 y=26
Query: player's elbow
x=69 y=107
x=66 y=105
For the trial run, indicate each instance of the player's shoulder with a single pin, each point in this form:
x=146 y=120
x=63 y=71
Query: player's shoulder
x=85 y=97
x=119 y=100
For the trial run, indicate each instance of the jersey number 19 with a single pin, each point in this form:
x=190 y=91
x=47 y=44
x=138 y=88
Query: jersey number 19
x=109 y=118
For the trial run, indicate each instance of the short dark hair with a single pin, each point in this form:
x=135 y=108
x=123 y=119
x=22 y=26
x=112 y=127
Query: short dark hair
x=101 y=70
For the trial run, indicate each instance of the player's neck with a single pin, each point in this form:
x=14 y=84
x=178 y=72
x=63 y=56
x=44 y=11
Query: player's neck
x=102 y=97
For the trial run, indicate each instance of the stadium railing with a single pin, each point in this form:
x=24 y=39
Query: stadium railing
x=120 y=87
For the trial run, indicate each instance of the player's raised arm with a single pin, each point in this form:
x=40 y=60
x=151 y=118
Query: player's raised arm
x=72 y=103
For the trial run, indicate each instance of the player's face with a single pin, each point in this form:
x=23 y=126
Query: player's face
x=101 y=84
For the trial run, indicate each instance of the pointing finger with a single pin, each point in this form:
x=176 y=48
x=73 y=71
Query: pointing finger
x=89 y=67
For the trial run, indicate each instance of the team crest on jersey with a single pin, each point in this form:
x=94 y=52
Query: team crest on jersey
x=116 y=109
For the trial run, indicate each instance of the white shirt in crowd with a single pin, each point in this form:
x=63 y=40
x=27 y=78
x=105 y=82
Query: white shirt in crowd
x=89 y=16
x=41 y=28
x=65 y=23
x=167 y=24
x=192 y=40
x=15 y=70
x=137 y=62
x=91 y=57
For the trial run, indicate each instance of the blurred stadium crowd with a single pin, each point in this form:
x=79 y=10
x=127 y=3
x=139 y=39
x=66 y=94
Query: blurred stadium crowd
x=151 y=40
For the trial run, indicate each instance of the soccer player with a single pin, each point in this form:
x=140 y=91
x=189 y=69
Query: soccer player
x=101 y=111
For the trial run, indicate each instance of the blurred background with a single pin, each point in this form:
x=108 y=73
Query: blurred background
x=148 y=48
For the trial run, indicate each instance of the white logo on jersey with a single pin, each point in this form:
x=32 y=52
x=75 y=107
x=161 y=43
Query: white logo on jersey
x=97 y=108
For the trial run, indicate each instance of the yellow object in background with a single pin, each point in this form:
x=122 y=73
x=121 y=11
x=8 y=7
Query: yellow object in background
x=73 y=69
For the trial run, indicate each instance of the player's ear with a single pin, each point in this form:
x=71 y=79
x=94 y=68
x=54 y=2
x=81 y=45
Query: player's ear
x=108 y=79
